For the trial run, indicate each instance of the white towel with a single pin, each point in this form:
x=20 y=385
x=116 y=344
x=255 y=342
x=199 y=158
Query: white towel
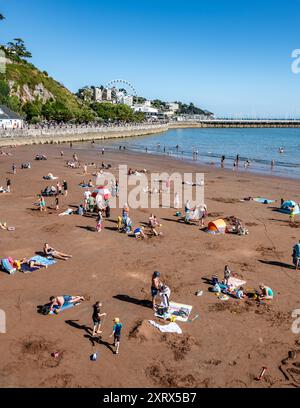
x=168 y=328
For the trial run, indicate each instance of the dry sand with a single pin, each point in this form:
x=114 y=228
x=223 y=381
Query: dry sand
x=226 y=347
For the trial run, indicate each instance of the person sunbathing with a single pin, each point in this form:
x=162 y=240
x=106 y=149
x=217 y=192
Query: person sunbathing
x=49 y=251
x=31 y=263
x=57 y=302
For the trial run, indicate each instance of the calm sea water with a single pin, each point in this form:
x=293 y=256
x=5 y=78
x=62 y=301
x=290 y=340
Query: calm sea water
x=260 y=146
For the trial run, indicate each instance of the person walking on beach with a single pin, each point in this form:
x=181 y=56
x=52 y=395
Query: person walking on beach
x=42 y=204
x=97 y=318
x=85 y=169
x=61 y=154
x=8 y=185
x=102 y=151
x=56 y=202
x=99 y=225
x=14 y=168
x=71 y=145
x=117 y=328
x=65 y=187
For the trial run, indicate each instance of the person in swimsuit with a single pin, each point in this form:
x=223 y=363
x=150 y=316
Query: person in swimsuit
x=155 y=285
x=49 y=251
x=266 y=292
x=117 y=333
x=57 y=302
x=97 y=318
x=31 y=263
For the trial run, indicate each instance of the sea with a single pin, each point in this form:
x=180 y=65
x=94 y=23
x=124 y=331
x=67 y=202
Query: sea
x=257 y=146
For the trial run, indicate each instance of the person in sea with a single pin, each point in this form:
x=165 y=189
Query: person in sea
x=49 y=251
x=117 y=328
x=222 y=161
x=97 y=315
x=57 y=302
x=266 y=292
x=155 y=285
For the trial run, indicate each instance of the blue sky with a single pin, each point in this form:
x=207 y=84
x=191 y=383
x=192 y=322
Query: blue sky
x=230 y=57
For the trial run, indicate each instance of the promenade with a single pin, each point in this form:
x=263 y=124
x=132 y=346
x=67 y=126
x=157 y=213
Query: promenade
x=74 y=133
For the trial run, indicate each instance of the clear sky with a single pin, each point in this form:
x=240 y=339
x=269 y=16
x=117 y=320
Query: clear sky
x=232 y=57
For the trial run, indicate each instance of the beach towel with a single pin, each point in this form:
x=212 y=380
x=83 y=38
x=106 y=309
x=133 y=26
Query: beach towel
x=236 y=283
x=69 y=211
x=263 y=200
x=180 y=311
x=169 y=328
x=45 y=261
x=7 y=267
x=65 y=307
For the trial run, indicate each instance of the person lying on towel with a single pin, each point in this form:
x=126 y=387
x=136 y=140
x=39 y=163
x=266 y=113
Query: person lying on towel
x=58 y=301
x=32 y=263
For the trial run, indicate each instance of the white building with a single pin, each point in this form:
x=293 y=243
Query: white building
x=106 y=94
x=97 y=94
x=9 y=119
x=173 y=106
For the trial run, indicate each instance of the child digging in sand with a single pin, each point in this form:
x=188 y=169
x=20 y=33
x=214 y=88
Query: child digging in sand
x=97 y=318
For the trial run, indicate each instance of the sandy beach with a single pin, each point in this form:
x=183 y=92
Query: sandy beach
x=228 y=344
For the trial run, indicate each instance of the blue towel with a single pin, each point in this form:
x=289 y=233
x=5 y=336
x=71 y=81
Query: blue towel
x=64 y=307
x=40 y=259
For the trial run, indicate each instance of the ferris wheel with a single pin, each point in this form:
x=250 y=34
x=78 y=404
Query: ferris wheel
x=122 y=83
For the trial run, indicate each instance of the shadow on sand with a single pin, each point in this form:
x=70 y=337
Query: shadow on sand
x=126 y=298
x=277 y=263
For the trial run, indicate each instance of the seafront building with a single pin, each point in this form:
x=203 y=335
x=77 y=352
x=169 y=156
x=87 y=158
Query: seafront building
x=9 y=119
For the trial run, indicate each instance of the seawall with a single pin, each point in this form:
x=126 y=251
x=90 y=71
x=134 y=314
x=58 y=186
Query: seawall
x=41 y=136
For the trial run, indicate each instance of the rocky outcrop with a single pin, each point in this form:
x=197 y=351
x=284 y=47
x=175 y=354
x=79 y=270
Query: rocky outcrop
x=25 y=94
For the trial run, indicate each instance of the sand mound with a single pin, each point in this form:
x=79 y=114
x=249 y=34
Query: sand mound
x=161 y=374
x=180 y=345
x=36 y=351
x=142 y=331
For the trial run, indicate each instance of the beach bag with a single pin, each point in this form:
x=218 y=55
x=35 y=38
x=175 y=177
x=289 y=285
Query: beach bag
x=45 y=310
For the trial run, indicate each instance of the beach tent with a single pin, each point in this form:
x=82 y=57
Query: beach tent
x=217 y=227
x=287 y=205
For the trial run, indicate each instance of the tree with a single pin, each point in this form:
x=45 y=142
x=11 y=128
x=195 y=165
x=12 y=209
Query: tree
x=18 y=49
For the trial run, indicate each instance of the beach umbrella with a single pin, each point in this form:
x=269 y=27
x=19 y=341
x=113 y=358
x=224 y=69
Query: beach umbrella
x=103 y=191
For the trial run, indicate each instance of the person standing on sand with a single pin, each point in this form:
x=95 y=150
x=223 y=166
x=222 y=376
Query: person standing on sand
x=97 y=318
x=292 y=216
x=65 y=187
x=56 y=201
x=14 y=168
x=296 y=255
x=155 y=285
x=61 y=154
x=85 y=169
x=117 y=333
x=227 y=275
x=42 y=204
x=99 y=225
x=8 y=185
x=102 y=151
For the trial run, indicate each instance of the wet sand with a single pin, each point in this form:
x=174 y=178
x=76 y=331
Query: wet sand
x=229 y=343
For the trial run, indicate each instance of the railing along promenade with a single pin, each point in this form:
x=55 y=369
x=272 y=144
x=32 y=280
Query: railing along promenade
x=68 y=133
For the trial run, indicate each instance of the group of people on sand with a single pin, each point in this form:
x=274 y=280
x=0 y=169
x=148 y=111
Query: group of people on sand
x=57 y=303
x=225 y=287
x=61 y=189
